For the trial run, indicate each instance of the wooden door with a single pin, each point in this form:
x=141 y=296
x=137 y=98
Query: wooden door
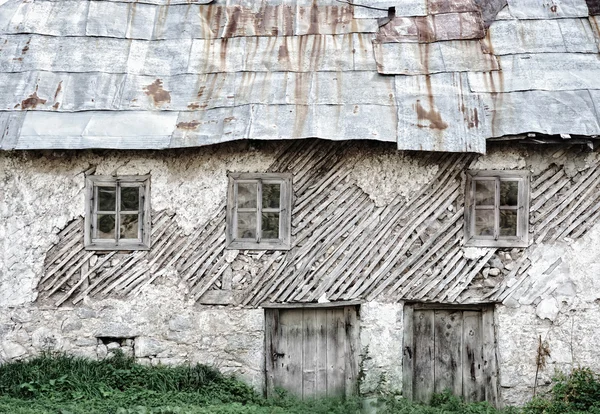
x=449 y=348
x=312 y=352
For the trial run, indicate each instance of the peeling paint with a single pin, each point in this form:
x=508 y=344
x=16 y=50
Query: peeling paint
x=32 y=101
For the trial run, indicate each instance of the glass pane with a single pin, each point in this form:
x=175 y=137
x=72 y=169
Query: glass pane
x=246 y=226
x=484 y=222
x=130 y=199
x=247 y=195
x=271 y=195
x=270 y=225
x=105 y=228
x=107 y=198
x=509 y=193
x=508 y=222
x=485 y=192
x=129 y=226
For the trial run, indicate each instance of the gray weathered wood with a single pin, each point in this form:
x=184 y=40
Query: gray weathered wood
x=448 y=351
x=424 y=369
x=489 y=356
x=408 y=353
x=472 y=364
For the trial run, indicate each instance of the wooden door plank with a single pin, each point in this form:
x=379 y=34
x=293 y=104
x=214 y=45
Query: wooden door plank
x=336 y=351
x=272 y=349
x=424 y=375
x=448 y=356
x=408 y=353
x=309 y=353
x=490 y=366
x=473 y=386
x=321 y=334
x=351 y=350
x=291 y=322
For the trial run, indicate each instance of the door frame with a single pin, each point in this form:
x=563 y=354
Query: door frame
x=489 y=341
x=352 y=314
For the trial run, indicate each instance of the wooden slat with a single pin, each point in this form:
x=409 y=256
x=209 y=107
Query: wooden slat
x=490 y=363
x=424 y=374
x=292 y=324
x=448 y=351
x=408 y=353
x=272 y=349
x=472 y=362
x=310 y=337
x=351 y=350
x=335 y=351
x=321 y=362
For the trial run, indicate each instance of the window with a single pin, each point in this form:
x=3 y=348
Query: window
x=117 y=213
x=497 y=208
x=259 y=211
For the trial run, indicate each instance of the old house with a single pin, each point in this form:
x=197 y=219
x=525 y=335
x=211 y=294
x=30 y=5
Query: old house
x=315 y=194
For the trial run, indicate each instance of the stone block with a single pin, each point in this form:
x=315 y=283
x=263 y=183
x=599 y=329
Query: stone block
x=13 y=350
x=146 y=346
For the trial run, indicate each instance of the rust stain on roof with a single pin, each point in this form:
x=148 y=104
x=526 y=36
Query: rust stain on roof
x=32 y=101
x=190 y=126
x=193 y=106
x=159 y=95
x=56 y=105
x=58 y=89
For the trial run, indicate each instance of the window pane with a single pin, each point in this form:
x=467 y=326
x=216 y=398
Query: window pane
x=130 y=199
x=509 y=193
x=247 y=195
x=246 y=226
x=484 y=222
x=271 y=195
x=270 y=225
x=129 y=226
x=508 y=222
x=107 y=197
x=106 y=226
x=485 y=192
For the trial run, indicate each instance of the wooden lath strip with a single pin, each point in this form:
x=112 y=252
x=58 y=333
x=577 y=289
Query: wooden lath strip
x=462 y=283
x=197 y=249
x=329 y=235
x=354 y=221
x=554 y=207
x=545 y=185
x=375 y=251
x=400 y=247
x=66 y=237
x=76 y=260
x=577 y=214
x=450 y=281
x=412 y=279
x=590 y=222
x=83 y=279
x=258 y=283
x=77 y=247
x=198 y=270
x=341 y=256
x=422 y=250
x=298 y=255
x=413 y=258
x=546 y=177
x=438 y=267
x=585 y=186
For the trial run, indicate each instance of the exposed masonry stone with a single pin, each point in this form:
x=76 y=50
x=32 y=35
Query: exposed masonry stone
x=41 y=192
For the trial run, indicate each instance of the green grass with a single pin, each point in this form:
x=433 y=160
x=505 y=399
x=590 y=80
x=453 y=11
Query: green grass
x=60 y=384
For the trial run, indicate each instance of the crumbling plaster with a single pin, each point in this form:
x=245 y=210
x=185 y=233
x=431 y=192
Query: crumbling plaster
x=40 y=192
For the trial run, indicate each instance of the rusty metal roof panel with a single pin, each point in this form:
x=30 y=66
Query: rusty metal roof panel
x=428 y=58
x=541 y=36
x=439 y=113
x=440 y=75
x=556 y=9
x=562 y=112
x=540 y=71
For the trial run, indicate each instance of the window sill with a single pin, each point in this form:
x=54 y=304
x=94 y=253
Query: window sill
x=112 y=247
x=472 y=242
x=249 y=245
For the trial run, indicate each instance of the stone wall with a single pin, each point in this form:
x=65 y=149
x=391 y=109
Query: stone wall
x=549 y=289
x=157 y=327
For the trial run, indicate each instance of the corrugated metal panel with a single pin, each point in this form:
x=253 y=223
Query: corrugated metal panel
x=439 y=113
x=549 y=71
x=420 y=59
x=541 y=36
x=554 y=9
x=160 y=73
x=563 y=112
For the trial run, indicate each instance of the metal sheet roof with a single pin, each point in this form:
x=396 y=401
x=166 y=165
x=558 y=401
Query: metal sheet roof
x=435 y=75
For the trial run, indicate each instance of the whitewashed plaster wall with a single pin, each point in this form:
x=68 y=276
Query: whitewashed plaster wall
x=40 y=192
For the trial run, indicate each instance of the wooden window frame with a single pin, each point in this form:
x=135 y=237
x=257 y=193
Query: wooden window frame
x=143 y=240
x=285 y=211
x=522 y=208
